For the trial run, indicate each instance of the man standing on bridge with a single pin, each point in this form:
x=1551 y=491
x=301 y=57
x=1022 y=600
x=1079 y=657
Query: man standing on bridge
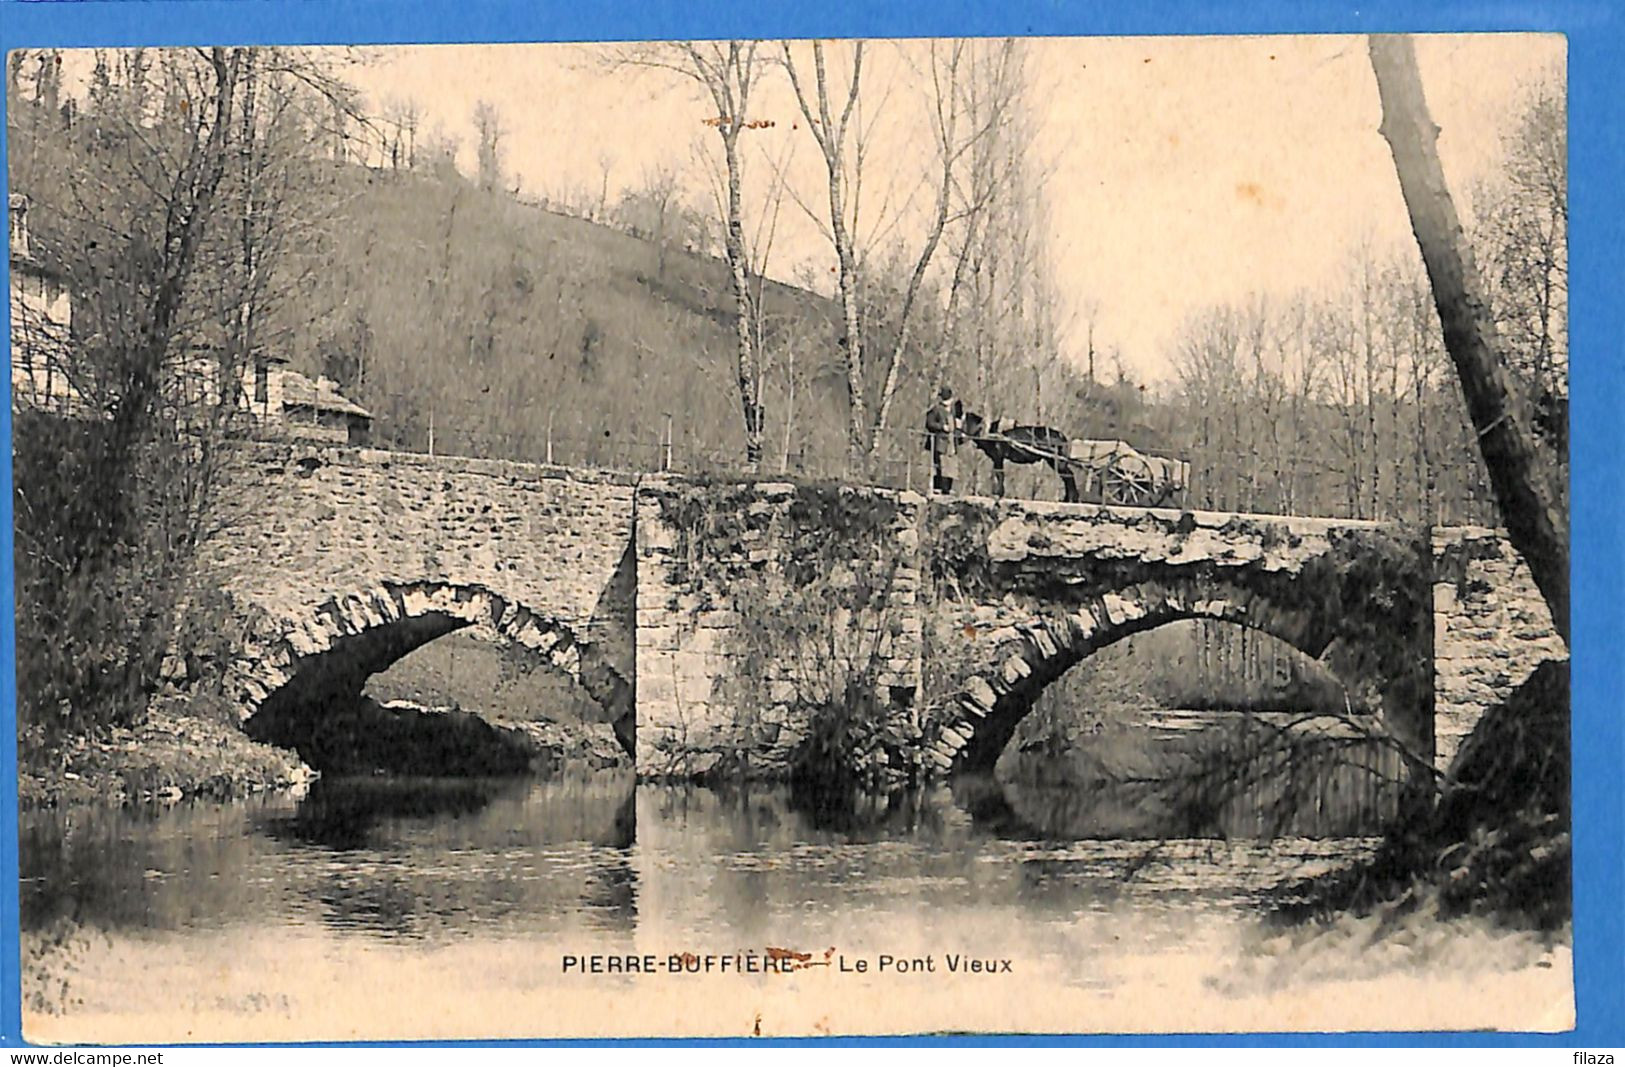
x=943 y=423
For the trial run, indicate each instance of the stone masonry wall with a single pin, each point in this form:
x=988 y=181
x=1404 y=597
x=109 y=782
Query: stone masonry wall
x=317 y=534
x=745 y=616
x=1491 y=629
x=1001 y=566
x=1024 y=589
x=737 y=607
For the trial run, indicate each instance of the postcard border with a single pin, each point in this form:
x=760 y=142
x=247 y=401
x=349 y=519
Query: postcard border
x=1597 y=160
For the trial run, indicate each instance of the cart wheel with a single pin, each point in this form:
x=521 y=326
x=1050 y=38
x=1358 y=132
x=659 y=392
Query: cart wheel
x=1129 y=480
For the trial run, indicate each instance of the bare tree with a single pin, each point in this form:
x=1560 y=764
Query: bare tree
x=107 y=508
x=1521 y=233
x=1530 y=505
x=956 y=133
x=440 y=150
x=488 y=127
x=173 y=238
x=411 y=116
x=398 y=121
x=282 y=216
x=727 y=73
x=1002 y=318
x=606 y=166
x=828 y=113
x=650 y=211
x=1301 y=366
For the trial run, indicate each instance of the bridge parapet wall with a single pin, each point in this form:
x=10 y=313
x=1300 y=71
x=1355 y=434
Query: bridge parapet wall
x=1491 y=629
x=316 y=542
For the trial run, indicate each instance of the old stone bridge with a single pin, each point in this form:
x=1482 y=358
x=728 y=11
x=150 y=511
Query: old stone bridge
x=708 y=620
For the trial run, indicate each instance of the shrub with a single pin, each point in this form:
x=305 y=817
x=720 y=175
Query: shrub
x=104 y=551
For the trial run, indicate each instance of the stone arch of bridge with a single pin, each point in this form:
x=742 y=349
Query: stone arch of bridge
x=1027 y=657
x=336 y=646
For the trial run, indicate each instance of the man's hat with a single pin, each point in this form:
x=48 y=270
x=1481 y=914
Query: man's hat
x=945 y=393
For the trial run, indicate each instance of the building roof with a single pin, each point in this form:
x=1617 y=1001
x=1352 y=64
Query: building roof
x=320 y=395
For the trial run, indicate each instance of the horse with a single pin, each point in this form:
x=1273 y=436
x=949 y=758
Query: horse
x=1023 y=444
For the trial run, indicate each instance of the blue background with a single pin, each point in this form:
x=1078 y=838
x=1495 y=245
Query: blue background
x=1597 y=289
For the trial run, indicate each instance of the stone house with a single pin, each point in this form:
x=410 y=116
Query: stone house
x=312 y=410
x=41 y=321
x=276 y=400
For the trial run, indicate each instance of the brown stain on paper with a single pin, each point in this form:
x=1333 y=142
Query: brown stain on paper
x=1256 y=195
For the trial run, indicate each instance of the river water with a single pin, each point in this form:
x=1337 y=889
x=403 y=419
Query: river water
x=435 y=908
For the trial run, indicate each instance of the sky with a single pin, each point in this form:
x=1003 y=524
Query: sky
x=1182 y=172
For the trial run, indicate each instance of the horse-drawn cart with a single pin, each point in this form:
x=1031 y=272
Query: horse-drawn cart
x=1105 y=472
x=1117 y=473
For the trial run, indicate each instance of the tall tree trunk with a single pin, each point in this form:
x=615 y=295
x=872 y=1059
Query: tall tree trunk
x=1529 y=506
x=830 y=132
x=945 y=361
x=851 y=327
x=894 y=362
x=247 y=233
x=750 y=393
x=190 y=203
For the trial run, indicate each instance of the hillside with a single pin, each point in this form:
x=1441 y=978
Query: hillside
x=470 y=322
x=432 y=301
x=473 y=323
x=498 y=319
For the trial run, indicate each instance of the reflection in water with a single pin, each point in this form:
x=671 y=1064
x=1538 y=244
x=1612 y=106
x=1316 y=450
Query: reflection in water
x=983 y=798
x=503 y=877
x=343 y=814
x=416 y=858
x=1123 y=810
x=1170 y=772
x=142 y=867
x=366 y=888
x=424 y=858
x=864 y=816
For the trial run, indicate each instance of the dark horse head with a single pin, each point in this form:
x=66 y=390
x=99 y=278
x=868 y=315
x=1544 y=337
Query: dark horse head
x=1022 y=444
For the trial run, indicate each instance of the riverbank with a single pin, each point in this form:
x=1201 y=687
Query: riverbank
x=176 y=756
x=1383 y=943
x=172 y=756
x=1497 y=845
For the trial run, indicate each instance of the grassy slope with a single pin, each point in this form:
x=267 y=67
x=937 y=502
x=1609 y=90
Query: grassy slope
x=507 y=317
x=175 y=754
